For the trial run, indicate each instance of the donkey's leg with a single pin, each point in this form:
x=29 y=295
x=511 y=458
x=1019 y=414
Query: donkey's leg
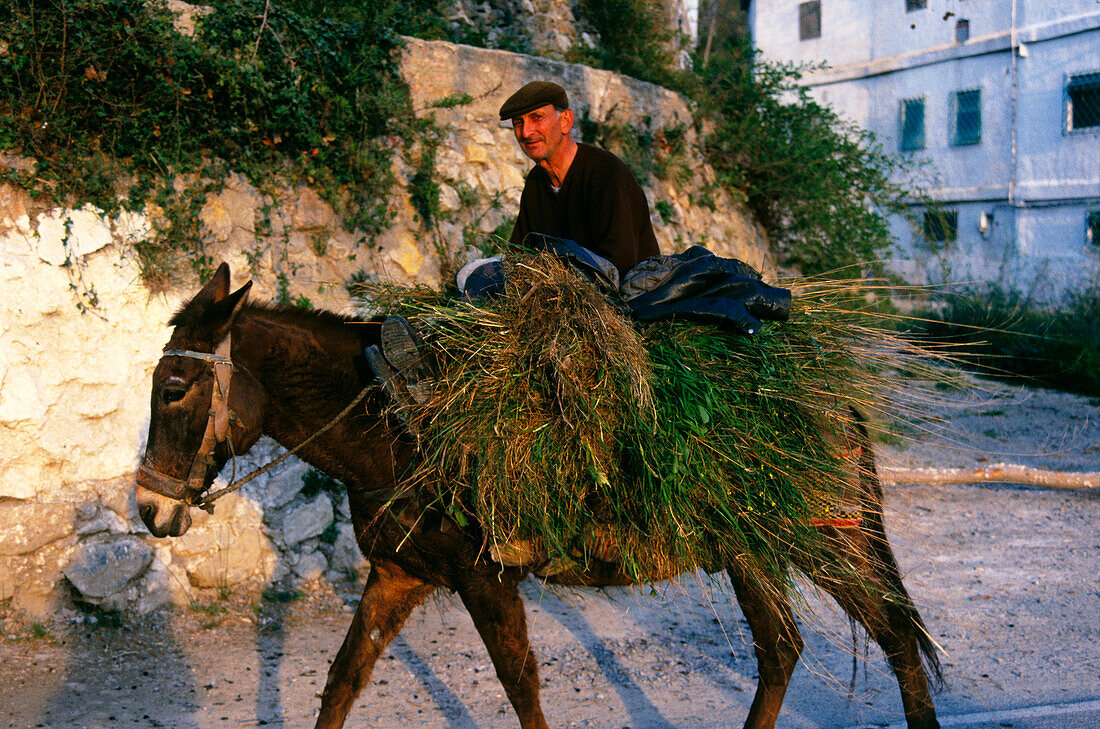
x=871 y=593
x=497 y=609
x=776 y=641
x=389 y=597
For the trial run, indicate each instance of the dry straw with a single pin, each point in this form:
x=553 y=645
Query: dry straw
x=555 y=419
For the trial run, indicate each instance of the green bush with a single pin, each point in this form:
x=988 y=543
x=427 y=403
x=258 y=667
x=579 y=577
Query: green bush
x=1005 y=336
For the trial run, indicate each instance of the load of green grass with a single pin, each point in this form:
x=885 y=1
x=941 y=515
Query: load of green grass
x=554 y=419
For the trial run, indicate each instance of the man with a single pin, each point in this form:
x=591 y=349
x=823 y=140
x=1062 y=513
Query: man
x=576 y=191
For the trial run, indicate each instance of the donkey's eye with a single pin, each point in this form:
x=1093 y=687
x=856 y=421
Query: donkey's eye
x=172 y=393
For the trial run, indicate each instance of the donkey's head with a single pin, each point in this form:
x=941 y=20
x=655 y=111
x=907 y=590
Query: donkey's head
x=203 y=408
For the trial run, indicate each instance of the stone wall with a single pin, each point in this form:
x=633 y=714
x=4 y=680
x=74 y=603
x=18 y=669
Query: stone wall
x=80 y=334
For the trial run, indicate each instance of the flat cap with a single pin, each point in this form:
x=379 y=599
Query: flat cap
x=531 y=97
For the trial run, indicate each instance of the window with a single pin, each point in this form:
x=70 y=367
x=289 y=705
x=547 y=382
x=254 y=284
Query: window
x=967 y=117
x=941 y=226
x=809 y=20
x=1092 y=228
x=1083 y=102
x=911 y=125
x=911 y=5
x=962 y=30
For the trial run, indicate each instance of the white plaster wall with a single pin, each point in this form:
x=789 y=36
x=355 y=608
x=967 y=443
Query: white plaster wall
x=1055 y=164
x=1038 y=12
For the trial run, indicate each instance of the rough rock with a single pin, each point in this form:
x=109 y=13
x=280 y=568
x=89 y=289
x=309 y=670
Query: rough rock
x=278 y=487
x=343 y=507
x=310 y=566
x=226 y=548
x=7 y=578
x=346 y=557
x=58 y=239
x=104 y=568
x=307 y=520
x=38 y=578
x=25 y=526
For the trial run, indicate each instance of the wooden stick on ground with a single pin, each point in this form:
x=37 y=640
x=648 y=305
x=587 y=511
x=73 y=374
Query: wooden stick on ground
x=995 y=473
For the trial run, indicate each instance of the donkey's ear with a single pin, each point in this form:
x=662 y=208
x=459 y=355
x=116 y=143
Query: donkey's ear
x=236 y=301
x=222 y=313
x=217 y=289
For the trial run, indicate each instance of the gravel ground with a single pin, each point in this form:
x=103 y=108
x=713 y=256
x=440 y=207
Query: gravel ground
x=1005 y=577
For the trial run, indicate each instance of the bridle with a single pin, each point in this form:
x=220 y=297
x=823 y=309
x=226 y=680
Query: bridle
x=218 y=423
x=217 y=430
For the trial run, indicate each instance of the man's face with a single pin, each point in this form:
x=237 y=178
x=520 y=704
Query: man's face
x=541 y=132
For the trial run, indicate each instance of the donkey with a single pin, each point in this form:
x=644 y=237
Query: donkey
x=293 y=371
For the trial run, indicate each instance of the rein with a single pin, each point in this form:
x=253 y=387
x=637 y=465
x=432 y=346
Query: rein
x=207 y=502
x=217 y=431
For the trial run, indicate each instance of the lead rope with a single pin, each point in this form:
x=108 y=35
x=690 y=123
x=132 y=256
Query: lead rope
x=207 y=502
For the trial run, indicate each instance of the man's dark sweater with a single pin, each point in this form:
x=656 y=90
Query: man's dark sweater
x=599 y=205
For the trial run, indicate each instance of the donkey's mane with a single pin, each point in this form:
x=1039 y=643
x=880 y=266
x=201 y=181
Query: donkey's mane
x=191 y=314
x=296 y=315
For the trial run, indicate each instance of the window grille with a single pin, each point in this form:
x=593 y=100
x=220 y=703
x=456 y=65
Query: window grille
x=911 y=125
x=809 y=20
x=1083 y=102
x=967 y=117
x=911 y=5
x=962 y=30
x=941 y=226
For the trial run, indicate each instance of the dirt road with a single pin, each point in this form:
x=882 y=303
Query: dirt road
x=1006 y=578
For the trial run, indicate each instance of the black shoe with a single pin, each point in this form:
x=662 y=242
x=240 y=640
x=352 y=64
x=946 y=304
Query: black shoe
x=407 y=353
x=392 y=385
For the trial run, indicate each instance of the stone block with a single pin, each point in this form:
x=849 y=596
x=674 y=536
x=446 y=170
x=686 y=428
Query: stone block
x=226 y=548
x=408 y=255
x=346 y=556
x=477 y=154
x=343 y=507
x=13 y=204
x=310 y=566
x=307 y=520
x=7 y=578
x=275 y=492
x=310 y=213
x=21 y=397
x=102 y=569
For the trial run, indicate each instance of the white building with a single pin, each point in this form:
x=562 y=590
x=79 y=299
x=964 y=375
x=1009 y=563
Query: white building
x=1000 y=97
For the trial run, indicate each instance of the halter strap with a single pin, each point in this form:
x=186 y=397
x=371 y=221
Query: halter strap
x=206 y=356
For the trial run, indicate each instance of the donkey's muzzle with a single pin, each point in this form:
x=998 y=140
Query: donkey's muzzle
x=162 y=516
